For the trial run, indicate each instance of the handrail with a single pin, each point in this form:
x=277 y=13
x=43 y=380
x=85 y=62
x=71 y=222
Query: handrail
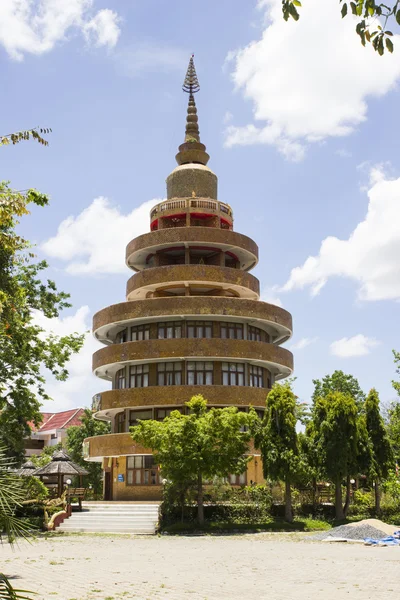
x=214 y=205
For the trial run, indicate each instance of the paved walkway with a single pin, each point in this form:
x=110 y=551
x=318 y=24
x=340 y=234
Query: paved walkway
x=197 y=568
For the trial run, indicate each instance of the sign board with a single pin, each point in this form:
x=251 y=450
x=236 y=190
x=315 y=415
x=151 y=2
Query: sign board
x=120 y=478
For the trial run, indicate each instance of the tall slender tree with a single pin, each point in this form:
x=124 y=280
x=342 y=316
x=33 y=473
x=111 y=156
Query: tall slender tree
x=336 y=434
x=277 y=440
x=382 y=460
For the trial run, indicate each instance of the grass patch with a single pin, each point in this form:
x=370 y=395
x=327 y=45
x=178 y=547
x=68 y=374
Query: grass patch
x=278 y=525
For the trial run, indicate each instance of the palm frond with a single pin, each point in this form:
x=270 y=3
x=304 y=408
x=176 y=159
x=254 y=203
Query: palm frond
x=7 y=592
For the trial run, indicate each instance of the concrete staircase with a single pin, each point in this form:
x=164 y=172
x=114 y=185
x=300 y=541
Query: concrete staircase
x=113 y=517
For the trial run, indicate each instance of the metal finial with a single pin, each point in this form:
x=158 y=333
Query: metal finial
x=191 y=83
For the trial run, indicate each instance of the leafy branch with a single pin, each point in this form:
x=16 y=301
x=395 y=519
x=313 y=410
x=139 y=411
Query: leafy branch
x=36 y=133
x=373 y=20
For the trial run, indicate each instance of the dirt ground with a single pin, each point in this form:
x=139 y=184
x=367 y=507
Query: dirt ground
x=258 y=566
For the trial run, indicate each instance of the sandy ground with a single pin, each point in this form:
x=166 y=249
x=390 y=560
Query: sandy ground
x=273 y=566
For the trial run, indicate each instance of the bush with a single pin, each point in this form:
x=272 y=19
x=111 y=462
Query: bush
x=35 y=489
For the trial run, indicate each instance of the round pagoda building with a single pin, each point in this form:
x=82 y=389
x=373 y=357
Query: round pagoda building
x=192 y=323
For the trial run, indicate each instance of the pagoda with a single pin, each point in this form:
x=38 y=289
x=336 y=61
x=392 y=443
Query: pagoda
x=192 y=323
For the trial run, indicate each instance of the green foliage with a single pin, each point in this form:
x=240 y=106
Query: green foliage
x=396 y=384
x=75 y=435
x=7 y=592
x=382 y=459
x=336 y=433
x=372 y=19
x=391 y=487
x=199 y=446
x=393 y=428
x=34 y=488
x=42 y=459
x=36 y=133
x=12 y=494
x=363 y=501
x=338 y=382
x=277 y=440
x=25 y=348
x=277 y=436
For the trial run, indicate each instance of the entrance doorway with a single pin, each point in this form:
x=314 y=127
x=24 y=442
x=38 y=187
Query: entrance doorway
x=108 y=485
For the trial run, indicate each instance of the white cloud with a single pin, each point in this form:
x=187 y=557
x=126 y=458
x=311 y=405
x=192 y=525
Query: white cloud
x=303 y=343
x=358 y=345
x=148 y=57
x=35 y=26
x=269 y=295
x=94 y=242
x=370 y=255
x=81 y=384
x=103 y=29
x=307 y=80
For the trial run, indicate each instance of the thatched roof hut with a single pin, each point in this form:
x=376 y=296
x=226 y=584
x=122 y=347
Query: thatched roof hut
x=60 y=466
x=27 y=469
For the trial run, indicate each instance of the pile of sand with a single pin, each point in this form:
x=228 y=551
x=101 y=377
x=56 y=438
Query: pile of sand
x=377 y=524
x=357 y=532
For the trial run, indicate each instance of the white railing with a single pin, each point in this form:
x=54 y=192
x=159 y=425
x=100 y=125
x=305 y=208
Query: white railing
x=213 y=205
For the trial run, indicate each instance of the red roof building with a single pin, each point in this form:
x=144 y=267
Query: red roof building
x=52 y=430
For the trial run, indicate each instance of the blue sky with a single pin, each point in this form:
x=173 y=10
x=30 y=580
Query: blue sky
x=300 y=122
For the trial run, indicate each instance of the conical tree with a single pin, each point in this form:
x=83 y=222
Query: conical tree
x=382 y=459
x=277 y=440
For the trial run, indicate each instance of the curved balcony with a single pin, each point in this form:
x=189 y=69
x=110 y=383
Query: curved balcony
x=141 y=248
x=109 y=320
x=112 y=444
x=112 y=401
x=179 y=205
x=108 y=360
x=175 y=278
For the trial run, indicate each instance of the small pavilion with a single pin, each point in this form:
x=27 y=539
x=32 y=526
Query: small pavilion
x=61 y=466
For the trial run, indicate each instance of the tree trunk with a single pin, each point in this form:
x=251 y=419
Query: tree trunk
x=288 y=502
x=314 y=494
x=348 y=490
x=182 y=506
x=200 y=506
x=377 y=496
x=338 y=499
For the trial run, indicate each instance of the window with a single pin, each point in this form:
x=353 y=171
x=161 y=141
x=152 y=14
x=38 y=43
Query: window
x=169 y=373
x=170 y=329
x=256 y=376
x=233 y=331
x=120 y=382
x=140 y=332
x=260 y=413
x=141 y=470
x=254 y=334
x=232 y=374
x=139 y=376
x=143 y=415
x=122 y=336
x=200 y=373
x=238 y=479
x=199 y=329
x=164 y=412
x=120 y=422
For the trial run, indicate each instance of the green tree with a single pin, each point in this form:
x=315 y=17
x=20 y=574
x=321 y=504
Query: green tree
x=396 y=384
x=25 y=348
x=75 y=436
x=199 y=446
x=336 y=435
x=277 y=440
x=338 y=382
x=382 y=460
x=373 y=19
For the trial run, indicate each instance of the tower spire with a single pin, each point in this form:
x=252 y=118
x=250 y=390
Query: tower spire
x=192 y=150
x=191 y=86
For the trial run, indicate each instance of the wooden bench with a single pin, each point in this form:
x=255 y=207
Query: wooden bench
x=78 y=494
